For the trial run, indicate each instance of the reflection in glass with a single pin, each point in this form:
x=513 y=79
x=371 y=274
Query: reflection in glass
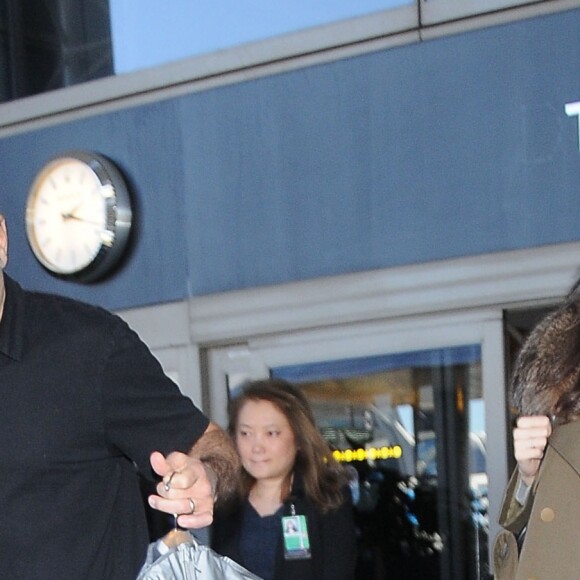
x=411 y=429
x=51 y=44
x=197 y=28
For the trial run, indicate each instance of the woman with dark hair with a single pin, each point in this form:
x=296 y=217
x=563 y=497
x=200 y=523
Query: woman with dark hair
x=541 y=510
x=293 y=517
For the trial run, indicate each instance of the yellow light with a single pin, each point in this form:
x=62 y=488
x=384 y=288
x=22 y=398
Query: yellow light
x=370 y=454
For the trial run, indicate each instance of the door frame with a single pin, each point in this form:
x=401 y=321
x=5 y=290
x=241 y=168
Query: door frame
x=484 y=327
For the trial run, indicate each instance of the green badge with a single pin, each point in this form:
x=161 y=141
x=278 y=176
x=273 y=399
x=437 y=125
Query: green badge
x=296 y=541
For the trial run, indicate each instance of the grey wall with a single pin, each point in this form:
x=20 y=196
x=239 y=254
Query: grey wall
x=452 y=147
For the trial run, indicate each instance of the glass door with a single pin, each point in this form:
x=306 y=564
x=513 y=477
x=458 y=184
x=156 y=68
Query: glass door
x=411 y=429
x=412 y=408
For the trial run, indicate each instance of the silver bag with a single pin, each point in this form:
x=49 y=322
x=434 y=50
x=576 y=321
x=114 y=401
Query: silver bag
x=190 y=560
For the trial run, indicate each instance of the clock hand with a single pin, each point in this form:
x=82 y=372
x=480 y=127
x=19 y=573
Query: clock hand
x=71 y=213
x=72 y=216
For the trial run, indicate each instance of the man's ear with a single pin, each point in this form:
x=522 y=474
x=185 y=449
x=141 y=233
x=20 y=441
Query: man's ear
x=3 y=243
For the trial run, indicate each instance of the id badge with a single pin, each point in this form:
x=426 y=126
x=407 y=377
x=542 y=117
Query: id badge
x=296 y=541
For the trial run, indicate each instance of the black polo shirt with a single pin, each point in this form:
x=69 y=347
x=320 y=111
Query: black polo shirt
x=83 y=403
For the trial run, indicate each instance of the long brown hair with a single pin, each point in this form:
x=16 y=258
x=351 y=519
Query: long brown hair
x=324 y=478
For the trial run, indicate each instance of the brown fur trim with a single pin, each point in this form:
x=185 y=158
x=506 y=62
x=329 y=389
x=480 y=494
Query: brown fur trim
x=546 y=376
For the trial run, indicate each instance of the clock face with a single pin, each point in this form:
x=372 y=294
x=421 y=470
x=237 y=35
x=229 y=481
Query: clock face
x=78 y=216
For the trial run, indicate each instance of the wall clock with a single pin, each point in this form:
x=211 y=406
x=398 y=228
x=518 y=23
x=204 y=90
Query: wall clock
x=78 y=216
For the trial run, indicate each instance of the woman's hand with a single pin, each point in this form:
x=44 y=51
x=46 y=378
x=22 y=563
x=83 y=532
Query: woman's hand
x=530 y=440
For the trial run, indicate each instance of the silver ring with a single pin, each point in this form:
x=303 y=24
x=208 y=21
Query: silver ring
x=167 y=484
x=191 y=505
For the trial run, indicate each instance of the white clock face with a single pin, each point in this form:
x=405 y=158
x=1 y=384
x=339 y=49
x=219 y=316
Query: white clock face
x=66 y=216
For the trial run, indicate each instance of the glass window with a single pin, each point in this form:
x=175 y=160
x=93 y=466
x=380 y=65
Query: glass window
x=411 y=429
x=47 y=45
x=200 y=28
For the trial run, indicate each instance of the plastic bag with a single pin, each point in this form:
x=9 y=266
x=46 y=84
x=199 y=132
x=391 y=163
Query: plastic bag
x=190 y=560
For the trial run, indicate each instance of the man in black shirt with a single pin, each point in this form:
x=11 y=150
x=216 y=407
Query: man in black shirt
x=85 y=410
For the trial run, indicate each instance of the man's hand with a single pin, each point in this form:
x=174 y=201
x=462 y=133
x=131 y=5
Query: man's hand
x=530 y=440
x=192 y=482
x=185 y=489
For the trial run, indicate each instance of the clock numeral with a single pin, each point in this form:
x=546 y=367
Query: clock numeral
x=88 y=250
x=107 y=191
x=108 y=238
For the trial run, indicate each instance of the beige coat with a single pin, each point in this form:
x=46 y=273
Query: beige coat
x=551 y=550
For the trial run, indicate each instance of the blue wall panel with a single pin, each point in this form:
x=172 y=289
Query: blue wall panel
x=146 y=145
x=451 y=147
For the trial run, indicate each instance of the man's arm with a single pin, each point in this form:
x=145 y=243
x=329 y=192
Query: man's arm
x=220 y=459
x=191 y=482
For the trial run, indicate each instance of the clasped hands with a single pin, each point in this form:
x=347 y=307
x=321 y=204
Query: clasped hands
x=530 y=439
x=184 y=490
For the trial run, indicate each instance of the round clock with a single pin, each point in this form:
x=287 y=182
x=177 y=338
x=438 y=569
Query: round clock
x=78 y=216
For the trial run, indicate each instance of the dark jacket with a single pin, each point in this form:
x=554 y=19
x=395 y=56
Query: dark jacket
x=332 y=539
x=552 y=514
